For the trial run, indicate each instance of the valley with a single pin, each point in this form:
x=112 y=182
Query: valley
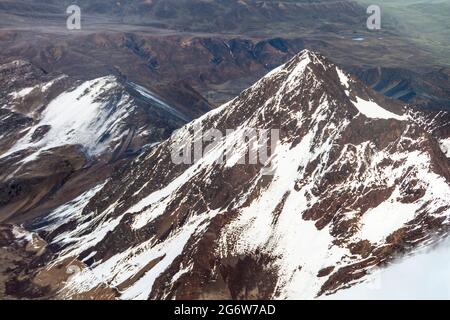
x=217 y=60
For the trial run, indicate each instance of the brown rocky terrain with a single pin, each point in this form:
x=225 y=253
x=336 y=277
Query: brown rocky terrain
x=356 y=180
x=219 y=48
x=61 y=136
x=86 y=119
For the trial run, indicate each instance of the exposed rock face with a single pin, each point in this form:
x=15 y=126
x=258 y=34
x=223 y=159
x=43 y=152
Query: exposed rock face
x=355 y=180
x=20 y=253
x=436 y=123
x=58 y=133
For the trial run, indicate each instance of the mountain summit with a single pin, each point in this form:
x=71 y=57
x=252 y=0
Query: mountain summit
x=354 y=182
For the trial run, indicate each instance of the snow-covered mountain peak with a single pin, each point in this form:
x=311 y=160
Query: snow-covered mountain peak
x=85 y=115
x=94 y=115
x=294 y=90
x=310 y=67
x=227 y=229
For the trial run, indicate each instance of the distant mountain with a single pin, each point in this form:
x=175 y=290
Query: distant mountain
x=354 y=181
x=429 y=89
x=55 y=131
x=218 y=48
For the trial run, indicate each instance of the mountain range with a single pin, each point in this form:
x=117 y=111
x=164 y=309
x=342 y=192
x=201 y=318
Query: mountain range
x=356 y=179
x=229 y=149
x=218 y=48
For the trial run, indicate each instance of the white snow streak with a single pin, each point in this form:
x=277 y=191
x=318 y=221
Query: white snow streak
x=372 y=110
x=78 y=117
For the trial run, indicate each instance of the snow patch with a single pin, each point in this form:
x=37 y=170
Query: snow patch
x=372 y=110
x=22 y=93
x=391 y=215
x=445 y=146
x=345 y=80
x=79 y=117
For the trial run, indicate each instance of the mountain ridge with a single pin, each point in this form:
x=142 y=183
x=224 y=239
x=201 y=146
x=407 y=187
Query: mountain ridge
x=57 y=130
x=347 y=160
x=121 y=180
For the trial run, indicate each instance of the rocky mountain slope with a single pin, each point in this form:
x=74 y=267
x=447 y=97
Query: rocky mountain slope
x=354 y=180
x=58 y=133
